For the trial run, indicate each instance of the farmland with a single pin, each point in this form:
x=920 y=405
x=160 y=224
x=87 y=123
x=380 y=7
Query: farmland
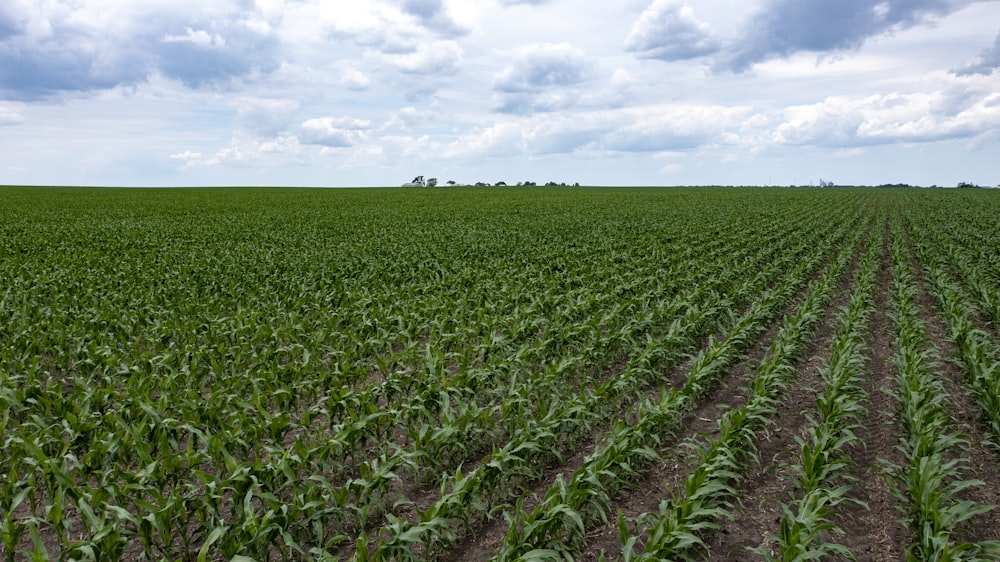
x=499 y=374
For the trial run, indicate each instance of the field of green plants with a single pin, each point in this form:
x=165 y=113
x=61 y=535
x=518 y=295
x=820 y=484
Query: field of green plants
x=499 y=374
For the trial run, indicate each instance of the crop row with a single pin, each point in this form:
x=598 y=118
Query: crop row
x=820 y=470
x=535 y=446
x=272 y=374
x=710 y=488
x=931 y=484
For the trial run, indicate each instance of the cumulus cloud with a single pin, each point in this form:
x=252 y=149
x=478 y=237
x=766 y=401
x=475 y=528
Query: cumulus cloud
x=334 y=132
x=649 y=129
x=409 y=117
x=9 y=117
x=256 y=152
x=230 y=50
x=881 y=119
x=498 y=140
x=524 y=103
x=400 y=27
x=668 y=30
x=199 y=38
x=674 y=127
x=433 y=15
x=265 y=116
x=435 y=58
x=542 y=66
x=50 y=48
x=786 y=27
x=354 y=79
x=187 y=159
x=842 y=123
x=420 y=93
x=244 y=151
x=53 y=57
x=989 y=61
x=542 y=78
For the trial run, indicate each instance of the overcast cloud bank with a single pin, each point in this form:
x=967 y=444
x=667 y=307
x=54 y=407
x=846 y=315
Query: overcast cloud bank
x=376 y=91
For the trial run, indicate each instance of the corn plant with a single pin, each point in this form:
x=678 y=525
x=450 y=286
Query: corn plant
x=932 y=482
x=820 y=471
x=710 y=488
x=265 y=373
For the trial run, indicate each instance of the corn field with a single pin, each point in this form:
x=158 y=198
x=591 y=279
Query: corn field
x=499 y=374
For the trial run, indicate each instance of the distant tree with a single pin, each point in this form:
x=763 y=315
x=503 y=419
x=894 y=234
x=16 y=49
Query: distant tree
x=577 y=184
x=451 y=182
x=965 y=185
x=501 y=184
x=432 y=182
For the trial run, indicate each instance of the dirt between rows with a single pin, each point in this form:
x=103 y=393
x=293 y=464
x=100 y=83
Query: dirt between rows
x=980 y=456
x=487 y=537
x=873 y=534
x=700 y=425
x=872 y=530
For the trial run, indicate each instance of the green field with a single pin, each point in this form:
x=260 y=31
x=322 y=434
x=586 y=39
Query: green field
x=498 y=373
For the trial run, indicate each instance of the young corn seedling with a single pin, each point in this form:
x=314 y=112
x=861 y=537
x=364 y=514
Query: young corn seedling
x=710 y=489
x=935 y=476
x=820 y=474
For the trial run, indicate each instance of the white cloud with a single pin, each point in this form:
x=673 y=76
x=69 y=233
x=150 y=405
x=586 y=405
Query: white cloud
x=543 y=66
x=542 y=78
x=410 y=117
x=784 y=27
x=498 y=140
x=848 y=153
x=53 y=48
x=383 y=30
x=890 y=118
x=334 y=132
x=988 y=63
x=354 y=79
x=9 y=117
x=245 y=151
x=200 y=38
x=188 y=158
x=267 y=116
x=656 y=129
x=492 y=87
x=434 y=15
x=668 y=30
x=437 y=58
x=675 y=127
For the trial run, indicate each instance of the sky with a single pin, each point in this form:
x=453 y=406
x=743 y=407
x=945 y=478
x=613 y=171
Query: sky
x=600 y=92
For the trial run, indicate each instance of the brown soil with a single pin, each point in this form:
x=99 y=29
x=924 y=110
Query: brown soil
x=873 y=534
x=766 y=484
x=488 y=536
x=980 y=456
x=700 y=425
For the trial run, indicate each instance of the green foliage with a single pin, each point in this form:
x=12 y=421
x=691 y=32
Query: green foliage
x=270 y=374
